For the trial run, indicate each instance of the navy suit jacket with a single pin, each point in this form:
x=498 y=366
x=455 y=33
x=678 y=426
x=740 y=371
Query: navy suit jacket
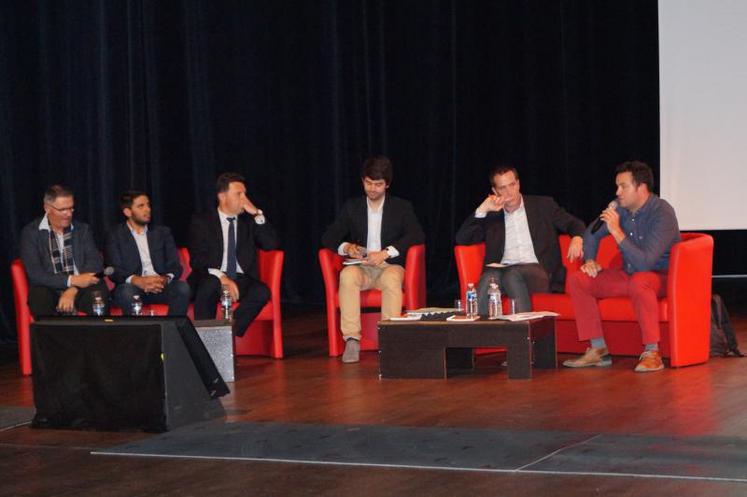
x=122 y=253
x=206 y=244
x=37 y=260
x=399 y=226
x=545 y=218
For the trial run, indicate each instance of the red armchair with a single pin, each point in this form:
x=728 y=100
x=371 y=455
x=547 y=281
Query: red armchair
x=684 y=312
x=265 y=334
x=413 y=298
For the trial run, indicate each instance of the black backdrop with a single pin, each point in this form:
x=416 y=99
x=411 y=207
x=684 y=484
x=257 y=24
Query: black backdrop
x=107 y=95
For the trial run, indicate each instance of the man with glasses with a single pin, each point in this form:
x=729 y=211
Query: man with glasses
x=61 y=259
x=522 y=252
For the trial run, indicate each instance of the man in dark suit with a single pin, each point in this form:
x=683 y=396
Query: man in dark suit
x=376 y=229
x=144 y=259
x=521 y=240
x=61 y=259
x=222 y=250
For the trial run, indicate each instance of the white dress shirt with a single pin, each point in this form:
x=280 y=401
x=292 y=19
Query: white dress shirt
x=518 y=248
x=141 y=240
x=224 y=262
x=373 y=238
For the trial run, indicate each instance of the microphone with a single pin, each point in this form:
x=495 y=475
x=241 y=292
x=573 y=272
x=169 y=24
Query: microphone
x=598 y=224
x=108 y=271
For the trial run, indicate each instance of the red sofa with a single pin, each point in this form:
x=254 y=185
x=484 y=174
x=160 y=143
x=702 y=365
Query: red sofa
x=413 y=298
x=264 y=336
x=684 y=313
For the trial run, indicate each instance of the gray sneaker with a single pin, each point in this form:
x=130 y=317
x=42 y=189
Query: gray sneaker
x=352 y=351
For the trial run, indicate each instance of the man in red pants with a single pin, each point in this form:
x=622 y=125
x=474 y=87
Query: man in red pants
x=645 y=228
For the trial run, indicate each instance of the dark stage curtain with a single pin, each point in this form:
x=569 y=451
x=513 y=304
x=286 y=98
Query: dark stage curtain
x=108 y=95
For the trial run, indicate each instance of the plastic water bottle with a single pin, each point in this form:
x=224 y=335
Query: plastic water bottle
x=471 y=301
x=494 y=300
x=98 y=306
x=136 y=305
x=226 y=302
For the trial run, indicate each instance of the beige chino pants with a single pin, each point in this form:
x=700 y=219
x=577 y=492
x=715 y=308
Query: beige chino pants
x=353 y=279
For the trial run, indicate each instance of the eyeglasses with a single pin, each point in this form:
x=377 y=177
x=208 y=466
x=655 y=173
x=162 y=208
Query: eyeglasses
x=64 y=209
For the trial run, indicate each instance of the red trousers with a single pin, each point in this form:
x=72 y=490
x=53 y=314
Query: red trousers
x=644 y=289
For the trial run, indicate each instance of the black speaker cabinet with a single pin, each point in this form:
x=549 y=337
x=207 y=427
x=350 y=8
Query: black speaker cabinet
x=150 y=373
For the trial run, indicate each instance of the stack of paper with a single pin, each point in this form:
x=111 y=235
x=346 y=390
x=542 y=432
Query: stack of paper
x=526 y=316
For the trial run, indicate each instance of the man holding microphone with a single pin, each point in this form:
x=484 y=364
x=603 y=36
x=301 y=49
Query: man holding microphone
x=645 y=228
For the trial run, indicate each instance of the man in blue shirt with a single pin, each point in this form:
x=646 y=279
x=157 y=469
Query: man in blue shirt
x=645 y=228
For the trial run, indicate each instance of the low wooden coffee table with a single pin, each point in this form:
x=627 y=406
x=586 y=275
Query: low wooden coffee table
x=427 y=349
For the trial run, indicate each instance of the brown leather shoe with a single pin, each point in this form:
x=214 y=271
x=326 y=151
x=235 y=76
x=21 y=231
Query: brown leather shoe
x=592 y=357
x=649 y=361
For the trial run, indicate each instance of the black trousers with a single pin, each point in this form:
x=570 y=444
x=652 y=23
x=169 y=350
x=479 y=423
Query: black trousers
x=175 y=295
x=43 y=300
x=253 y=295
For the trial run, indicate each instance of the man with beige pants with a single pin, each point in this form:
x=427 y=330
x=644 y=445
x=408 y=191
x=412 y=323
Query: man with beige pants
x=373 y=232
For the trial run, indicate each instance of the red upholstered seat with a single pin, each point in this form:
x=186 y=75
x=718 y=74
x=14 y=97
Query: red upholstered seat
x=413 y=297
x=684 y=312
x=264 y=336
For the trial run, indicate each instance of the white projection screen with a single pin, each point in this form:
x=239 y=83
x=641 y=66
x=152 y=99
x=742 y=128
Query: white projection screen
x=703 y=111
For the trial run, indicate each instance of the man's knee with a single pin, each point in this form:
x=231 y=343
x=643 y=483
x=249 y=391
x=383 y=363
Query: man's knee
x=643 y=283
x=179 y=289
x=125 y=292
x=391 y=278
x=256 y=292
x=578 y=281
x=263 y=292
x=350 y=276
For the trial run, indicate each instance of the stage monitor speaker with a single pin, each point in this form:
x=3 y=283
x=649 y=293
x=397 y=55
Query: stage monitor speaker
x=115 y=373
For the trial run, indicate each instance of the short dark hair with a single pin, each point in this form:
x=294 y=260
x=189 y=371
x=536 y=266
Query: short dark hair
x=500 y=169
x=376 y=168
x=225 y=180
x=128 y=197
x=641 y=172
x=54 y=191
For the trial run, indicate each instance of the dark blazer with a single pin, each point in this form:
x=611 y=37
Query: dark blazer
x=37 y=260
x=545 y=218
x=399 y=226
x=122 y=253
x=206 y=244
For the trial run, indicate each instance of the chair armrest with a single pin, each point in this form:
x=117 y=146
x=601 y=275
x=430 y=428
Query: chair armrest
x=23 y=314
x=469 y=261
x=331 y=265
x=689 y=299
x=183 y=253
x=415 y=288
x=270 y=266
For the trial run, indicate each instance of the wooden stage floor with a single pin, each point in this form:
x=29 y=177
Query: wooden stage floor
x=309 y=387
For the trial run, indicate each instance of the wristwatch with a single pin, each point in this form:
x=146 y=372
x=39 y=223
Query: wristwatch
x=259 y=217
